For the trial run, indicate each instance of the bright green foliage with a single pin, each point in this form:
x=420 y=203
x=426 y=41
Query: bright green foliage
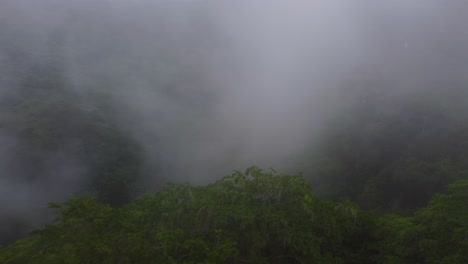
x=444 y=226
x=253 y=217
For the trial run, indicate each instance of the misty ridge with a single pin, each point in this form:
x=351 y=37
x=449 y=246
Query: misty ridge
x=367 y=99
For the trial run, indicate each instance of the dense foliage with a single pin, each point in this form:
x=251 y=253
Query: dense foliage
x=49 y=120
x=390 y=149
x=251 y=217
x=387 y=161
x=57 y=144
x=97 y=108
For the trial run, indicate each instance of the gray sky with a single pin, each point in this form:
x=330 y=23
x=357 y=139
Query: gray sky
x=211 y=86
x=219 y=85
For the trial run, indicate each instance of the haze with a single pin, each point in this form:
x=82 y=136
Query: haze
x=206 y=87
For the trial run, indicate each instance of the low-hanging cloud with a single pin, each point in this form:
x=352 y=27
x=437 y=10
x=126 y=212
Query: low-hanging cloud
x=210 y=86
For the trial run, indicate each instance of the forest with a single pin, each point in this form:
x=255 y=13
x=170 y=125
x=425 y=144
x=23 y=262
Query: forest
x=179 y=133
x=406 y=205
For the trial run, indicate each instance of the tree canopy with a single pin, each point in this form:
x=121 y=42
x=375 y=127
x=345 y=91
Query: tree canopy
x=254 y=216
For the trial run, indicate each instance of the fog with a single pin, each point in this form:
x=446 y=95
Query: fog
x=206 y=87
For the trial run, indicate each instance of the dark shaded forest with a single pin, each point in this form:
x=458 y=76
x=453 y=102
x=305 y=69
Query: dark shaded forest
x=119 y=121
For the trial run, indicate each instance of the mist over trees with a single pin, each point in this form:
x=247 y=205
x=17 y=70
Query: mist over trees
x=114 y=99
x=254 y=217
